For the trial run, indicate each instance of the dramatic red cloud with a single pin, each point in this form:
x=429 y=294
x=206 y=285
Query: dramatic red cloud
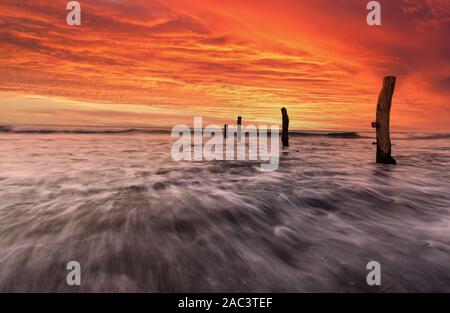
x=155 y=62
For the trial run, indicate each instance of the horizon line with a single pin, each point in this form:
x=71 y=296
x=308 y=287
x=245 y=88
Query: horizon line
x=131 y=127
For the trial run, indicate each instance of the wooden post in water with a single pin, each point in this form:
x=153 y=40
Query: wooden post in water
x=382 y=122
x=225 y=131
x=285 y=128
x=239 y=128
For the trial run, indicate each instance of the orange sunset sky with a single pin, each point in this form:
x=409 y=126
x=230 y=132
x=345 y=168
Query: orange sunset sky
x=159 y=63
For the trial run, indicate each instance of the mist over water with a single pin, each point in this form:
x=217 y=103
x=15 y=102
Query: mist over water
x=138 y=221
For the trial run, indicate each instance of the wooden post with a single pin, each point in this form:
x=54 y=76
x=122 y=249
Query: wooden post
x=225 y=131
x=285 y=128
x=239 y=128
x=382 y=123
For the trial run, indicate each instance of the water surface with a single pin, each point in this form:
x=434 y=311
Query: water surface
x=138 y=221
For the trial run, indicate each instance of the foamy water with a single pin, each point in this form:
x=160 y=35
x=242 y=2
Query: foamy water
x=138 y=221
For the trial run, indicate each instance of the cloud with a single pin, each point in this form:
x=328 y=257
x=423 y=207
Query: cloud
x=318 y=58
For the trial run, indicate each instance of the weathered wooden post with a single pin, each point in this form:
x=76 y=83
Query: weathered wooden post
x=382 y=122
x=285 y=128
x=225 y=131
x=239 y=128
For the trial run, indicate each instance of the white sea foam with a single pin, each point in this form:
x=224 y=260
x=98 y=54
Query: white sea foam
x=138 y=221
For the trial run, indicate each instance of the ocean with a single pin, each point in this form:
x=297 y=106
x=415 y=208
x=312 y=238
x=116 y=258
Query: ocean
x=137 y=221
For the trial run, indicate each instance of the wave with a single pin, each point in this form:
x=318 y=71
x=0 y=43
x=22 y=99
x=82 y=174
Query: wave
x=430 y=136
x=5 y=129
x=105 y=130
x=43 y=130
x=131 y=130
x=347 y=135
x=395 y=136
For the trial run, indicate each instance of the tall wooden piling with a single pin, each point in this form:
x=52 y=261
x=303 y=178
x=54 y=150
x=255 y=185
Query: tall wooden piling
x=383 y=121
x=239 y=128
x=285 y=128
x=225 y=131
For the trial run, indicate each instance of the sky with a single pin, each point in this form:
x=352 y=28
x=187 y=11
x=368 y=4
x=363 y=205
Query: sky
x=160 y=63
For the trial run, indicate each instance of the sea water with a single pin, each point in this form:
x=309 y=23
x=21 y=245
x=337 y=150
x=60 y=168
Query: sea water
x=138 y=221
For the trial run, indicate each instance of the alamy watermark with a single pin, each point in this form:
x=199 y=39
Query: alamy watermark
x=374 y=16
x=230 y=144
x=74 y=16
x=73 y=278
x=374 y=276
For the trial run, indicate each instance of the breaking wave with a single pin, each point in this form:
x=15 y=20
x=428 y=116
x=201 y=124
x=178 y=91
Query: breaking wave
x=76 y=130
x=143 y=130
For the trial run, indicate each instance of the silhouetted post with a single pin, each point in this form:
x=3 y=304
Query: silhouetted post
x=239 y=128
x=285 y=128
x=382 y=123
x=225 y=131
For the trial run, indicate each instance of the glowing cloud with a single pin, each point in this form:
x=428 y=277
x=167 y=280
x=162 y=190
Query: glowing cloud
x=143 y=62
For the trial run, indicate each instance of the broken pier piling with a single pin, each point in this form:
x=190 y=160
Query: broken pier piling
x=239 y=128
x=383 y=120
x=285 y=128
